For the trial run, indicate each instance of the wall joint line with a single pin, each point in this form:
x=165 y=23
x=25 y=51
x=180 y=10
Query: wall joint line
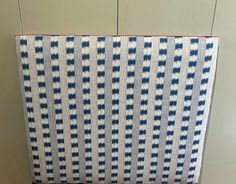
x=213 y=18
x=19 y=10
x=117 y=17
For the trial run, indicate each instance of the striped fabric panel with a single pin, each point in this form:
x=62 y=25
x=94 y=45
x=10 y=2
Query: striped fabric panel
x=87 y=108
x=29 y=109
x=175 y=77
x=43 y=106
x=72 y=106
x=115 y=107
x=161 y=63
x=201 y=108
x=131 y=130
x=101 y=106
x=143 y=107
x=187 y=107
x=58 y=107
x=129 y=107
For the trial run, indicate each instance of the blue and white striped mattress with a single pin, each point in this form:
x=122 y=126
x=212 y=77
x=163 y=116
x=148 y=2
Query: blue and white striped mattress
x=116 y=109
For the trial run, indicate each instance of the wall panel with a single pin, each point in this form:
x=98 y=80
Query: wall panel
x=14 y=164
x=220 y=161
x=69 y=17
x=186 y=17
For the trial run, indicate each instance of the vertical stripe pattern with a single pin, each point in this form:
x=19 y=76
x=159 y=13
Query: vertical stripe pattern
x=72 y=106
x=201 y=108
x=101 y=107
x=187 y=107
x=129 y=107
x=115 y=107
x=27 y=92
x=113 y=116
x=87 y=107
x=172 y=106
x=143 y=107
x=161 y=63
x=43 y=106
x=58 y=107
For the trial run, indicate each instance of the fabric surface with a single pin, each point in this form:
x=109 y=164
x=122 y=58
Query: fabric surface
x=116 y=109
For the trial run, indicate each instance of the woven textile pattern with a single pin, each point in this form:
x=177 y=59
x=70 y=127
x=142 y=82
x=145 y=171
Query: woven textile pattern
x=116 y=109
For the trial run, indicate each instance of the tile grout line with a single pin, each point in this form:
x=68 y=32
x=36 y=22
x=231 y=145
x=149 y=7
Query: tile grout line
x=117 y=17
x=213 y=18
x=19 y=10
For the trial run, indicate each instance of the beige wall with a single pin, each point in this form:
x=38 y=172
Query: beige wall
x=14 y=166
x=185 y=17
